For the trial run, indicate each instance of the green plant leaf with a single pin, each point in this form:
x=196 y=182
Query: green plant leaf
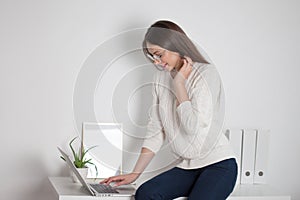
x=79 y=158
x=95 y=167
x=88 y=150
x=70 y=144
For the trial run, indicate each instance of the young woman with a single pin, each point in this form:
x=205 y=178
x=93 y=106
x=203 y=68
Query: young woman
x=188 y=112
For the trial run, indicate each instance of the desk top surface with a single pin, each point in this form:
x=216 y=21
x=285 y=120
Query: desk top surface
x=65 y=187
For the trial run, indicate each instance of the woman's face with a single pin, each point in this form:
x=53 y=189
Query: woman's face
x=169 y=60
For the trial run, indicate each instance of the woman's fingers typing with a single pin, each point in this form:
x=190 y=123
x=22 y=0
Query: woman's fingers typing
x=110 y=180
x=120 y=180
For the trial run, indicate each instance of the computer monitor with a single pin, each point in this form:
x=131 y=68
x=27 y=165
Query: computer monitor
x=107 y=155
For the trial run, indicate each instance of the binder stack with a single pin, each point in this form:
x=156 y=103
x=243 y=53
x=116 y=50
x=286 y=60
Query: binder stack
x=261 y=158
x=248 y=156
x=251 y=147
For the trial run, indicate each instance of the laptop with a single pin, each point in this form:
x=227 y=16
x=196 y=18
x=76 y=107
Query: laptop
x=99 y=190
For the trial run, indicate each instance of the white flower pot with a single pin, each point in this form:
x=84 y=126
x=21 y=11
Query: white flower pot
x=82 y=171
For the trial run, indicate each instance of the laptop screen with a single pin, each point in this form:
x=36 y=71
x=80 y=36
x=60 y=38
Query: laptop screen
x=107 y=155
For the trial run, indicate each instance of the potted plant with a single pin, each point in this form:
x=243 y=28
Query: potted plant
x=80 y=160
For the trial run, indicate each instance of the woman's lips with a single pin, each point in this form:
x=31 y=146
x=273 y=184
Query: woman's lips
x=164 y=66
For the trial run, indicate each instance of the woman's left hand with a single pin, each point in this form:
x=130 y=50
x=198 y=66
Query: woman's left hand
x=184 y=71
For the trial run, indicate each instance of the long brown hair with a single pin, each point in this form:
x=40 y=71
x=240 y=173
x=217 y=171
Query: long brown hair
x=170 y=36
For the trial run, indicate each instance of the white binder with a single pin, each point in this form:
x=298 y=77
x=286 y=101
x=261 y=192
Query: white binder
x=235 y=139
x=248 y=156
x=261 y=159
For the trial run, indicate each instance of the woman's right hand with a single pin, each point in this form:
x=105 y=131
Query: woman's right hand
x=143 y=160
x=121 y=179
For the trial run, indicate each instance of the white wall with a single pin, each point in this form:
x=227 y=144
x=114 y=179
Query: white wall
x=44 y=44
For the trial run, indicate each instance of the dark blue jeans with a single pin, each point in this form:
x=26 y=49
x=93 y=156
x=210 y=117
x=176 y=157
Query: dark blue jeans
x=212 y=182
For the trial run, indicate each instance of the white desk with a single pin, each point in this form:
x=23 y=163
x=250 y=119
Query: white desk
x=254 y=192
x=67 y=190
x=257 y=192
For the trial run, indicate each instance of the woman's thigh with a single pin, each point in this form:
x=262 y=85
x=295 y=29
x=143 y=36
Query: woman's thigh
x=168 y=185
x=216 y=181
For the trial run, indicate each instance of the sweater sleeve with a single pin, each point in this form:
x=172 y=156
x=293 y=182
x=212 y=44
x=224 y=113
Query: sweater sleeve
x=195 y=115
x=155 y=134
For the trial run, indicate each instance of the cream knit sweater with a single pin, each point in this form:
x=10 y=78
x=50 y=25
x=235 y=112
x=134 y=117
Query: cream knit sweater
x=194 y=128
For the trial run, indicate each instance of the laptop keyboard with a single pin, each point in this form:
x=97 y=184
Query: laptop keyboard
x=101 y=188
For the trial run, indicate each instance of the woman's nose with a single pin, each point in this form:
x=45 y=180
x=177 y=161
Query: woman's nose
x=156 y=62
